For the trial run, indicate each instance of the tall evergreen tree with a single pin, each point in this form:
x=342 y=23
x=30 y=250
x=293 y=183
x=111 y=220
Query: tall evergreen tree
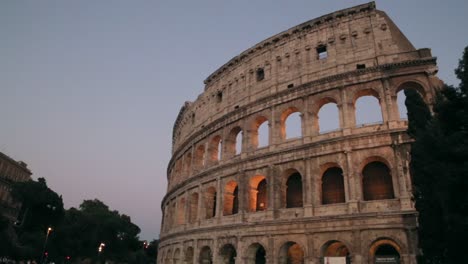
x=439 y=167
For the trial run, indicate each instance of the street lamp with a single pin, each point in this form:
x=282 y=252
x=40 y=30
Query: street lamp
x=101 y=247
x=49 y=229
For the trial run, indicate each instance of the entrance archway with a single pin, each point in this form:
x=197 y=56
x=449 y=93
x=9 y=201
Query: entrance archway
x=291 y=253
x=228 y=254
x=256 y=254
x=335 y=252
x=206 y=256
x=385 y=251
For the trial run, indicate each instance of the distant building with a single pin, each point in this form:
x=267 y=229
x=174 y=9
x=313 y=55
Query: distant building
x=11 y=171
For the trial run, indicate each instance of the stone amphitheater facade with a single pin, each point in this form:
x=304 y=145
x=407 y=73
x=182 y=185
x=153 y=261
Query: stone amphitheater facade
x=342 y=196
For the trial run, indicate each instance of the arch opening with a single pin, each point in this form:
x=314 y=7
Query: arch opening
x=333 y=186
x=215 y=148
x=234 y=142
x=335 y=252
x=263 y=134
x=181 y=211
x=261 y=204
x=210 y=203
x=231 y=198
x=291 y=253
x=257 y=193
x=368 y=110
x=293 y=126
x=199 y=160
x=256 y=254
x=206 y=256
x=239 y=143
x=176 y=259
x=328 y=118
x=228 y=254
x=189 y=255
x=377 y=182
x=385 y=251
x=294 y=190
x=193 y=208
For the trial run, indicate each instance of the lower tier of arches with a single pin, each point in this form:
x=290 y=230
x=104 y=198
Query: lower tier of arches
x=357 y=239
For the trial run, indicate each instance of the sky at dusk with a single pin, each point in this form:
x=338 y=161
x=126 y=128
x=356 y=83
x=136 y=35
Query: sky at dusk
x=90 y=90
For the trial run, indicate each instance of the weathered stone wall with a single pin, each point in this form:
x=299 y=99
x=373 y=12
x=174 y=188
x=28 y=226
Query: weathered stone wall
x=213 y=208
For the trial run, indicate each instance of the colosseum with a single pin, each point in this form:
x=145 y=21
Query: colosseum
x=246 y=186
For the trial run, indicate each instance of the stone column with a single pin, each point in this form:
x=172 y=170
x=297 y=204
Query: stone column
x=346 y=112
x=308 y=190
x=219 y=193
x=352 y=179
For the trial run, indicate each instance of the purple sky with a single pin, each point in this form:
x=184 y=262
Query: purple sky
x=89 y=90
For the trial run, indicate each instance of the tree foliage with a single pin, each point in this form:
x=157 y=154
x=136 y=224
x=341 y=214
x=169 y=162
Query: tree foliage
x=76 y=232
x=439 y=167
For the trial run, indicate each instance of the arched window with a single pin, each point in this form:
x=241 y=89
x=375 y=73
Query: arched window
x=239 y=143
x=335 y=249
x=329 y=118
x=258 y=193
x=188 y=163
x=193 y=207
x=176 y=259
x=263 y=134
x=401 y=98
x=368 y=109
x=220 y=150
x=199 y=160
x=210 y=202
x=189 y=255
x=215 y=148
x=291 y=252
x=385 y=250
x=291 y=123
x=168 y=257
x=231 y=199
x=294 y=190
x=228 y=254
x=260 y=132
x=181 y=211
x=377 y=181
x=256 y=254
x=234 y=142
x=262 y=196
x=206 y=255
x=333 y=186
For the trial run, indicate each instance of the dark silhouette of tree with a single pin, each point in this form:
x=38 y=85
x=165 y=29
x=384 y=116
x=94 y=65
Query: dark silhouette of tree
x=41 y=208
x=84 y=229
x=439 y=168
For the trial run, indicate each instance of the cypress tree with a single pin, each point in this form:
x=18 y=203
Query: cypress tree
x=439 y=168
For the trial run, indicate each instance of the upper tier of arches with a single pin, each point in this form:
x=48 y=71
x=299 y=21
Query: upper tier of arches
x=353 y=41
x=354 y=110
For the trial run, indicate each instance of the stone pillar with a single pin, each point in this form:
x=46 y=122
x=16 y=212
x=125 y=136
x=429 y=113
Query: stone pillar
x=308 y=189
x=271 y=251
x=219 y=193
x=390 y=101
x=275 y=128
x=385 y=103
x=200 y=212
x=346 y=112
x=352 y=179
x=357 y=249
x=307 y=124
